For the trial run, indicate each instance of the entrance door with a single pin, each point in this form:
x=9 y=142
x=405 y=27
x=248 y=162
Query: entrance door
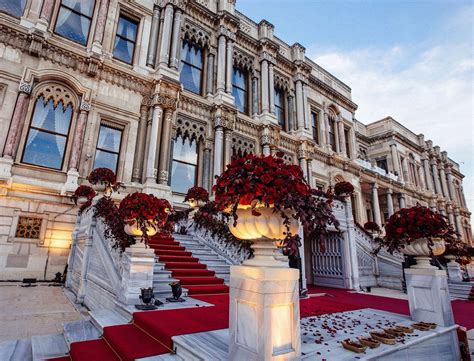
x=327 y=262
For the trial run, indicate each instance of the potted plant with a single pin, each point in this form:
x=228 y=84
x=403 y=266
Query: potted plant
x=343 y=189
x=143 y=214
x=266 y=198
x=197 y=197
x=103 y=179
x=419 y=232
x=83 y=194
x=372 y=228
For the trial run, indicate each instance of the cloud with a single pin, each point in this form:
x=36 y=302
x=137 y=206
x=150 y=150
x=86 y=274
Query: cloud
x=427 y=87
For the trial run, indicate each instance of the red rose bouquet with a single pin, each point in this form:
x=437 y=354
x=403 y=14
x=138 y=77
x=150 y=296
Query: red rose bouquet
x=410 y=224
x=343 y=188
x=83 y=192
x=197 y=194
x=372 y=227
x=104 y=176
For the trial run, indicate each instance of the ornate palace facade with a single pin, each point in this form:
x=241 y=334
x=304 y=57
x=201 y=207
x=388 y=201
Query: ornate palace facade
x=164 y=93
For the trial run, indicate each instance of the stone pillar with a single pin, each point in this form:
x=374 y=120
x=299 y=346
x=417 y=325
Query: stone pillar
x=166 y=36
x=163 y=174
x=437 y=185
x=336 y=135
x=310 y=172
x=457 y=217
x=389 y=202
x=18 y=120
x=299 y=104
x=46 y=11
x=210 y=74
x=350 y=248
x=306 y=113
x=140 y=145
x=428 y=296
x=406 y=175
x=452 y=191
x=342 y=136
x=421 y=177
x=78 y=139
x=254 y=95
x=100 y=24
x=264 y=86
x=454 y=270
x=174 y=61
x=395 y=160
x=291 y=109
x=86 y=255
x=206 y=168
x=327 y=126
x=322 y=128
x=153 y=43
x=221 y=64
x=229 y=66
x=153 y=144
x=402 y=200
x=218 y=150
x=426 y=168
x=451 y=216
x=304 y=167
x=227 y=147
x=444 y=185
x=271 y=87
x=376 y=205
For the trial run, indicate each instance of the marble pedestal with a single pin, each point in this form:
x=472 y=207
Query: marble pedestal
x=264 y=313
x=454 y=271
x=138 y=266
x=428 y=296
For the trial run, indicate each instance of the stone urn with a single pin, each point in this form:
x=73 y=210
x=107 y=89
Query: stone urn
x=264 y=230
x=134 y=231
x=421 y=250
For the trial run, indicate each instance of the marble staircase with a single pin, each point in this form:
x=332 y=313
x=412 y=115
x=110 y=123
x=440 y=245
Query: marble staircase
x=461 y=290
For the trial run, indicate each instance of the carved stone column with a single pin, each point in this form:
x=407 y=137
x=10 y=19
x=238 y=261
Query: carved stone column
x=227 y=146
x=327 y=126
x=174 y=61
x=322 y=127
x=309 y=162
x=210 y=74
x=444 y=185
x=140 y=145
x=421 y=177
x=437 y=184
x=426 y=169
x=166 y=37
x=46 y=11
x=389 y=202
x=406 y=176
x=291 y=107
x=78 y=139
x=299 y=104
x=402 y=200
x=452 y=191
x=342 y=136
x=221 y=63
x=218 y=149
x=375 y=204
x=229 y=66
x=254 y=94
x=206 y=166
x=302 y=156
x=395 y=160
x=151 y=172
x=306 y=114
x=336 y=135
x=457 y=217
x=100 y=24
x=163 y=174
x=264 y=86
x=266 y=140
x=451 y=216
x=153 y=44
x=18 y=119
x=271 y=87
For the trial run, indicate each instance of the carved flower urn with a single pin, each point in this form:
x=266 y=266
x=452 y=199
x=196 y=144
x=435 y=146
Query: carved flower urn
x=422 y=251
x=135 y=231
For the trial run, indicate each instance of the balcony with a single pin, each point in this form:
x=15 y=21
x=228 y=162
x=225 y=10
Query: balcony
x=373 y=168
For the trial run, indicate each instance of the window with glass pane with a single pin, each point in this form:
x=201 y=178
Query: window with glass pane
x=125 y=39
x=48 y=134
x=240 y=89
x=280 y=107
x=332 y=133
x=315 y=126
x=184 y=165
x=191 y=67
x=74 y=19
x=13 y=7
x=347 y=137
x=108 y=148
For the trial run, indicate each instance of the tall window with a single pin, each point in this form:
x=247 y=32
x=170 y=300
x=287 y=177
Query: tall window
x=332 y=133
x=48 y=133
x=13 y=7
x=74 y=19
x=315 y=126
x=125 y=39
x=347 y=139
x=191 y=67
x=108 y=148
x=184 y=165
x=280 y=107
x=240 y=89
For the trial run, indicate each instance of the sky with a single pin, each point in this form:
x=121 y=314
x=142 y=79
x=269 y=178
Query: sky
x=412 y=60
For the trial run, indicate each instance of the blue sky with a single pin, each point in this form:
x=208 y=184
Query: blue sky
x=413 y=60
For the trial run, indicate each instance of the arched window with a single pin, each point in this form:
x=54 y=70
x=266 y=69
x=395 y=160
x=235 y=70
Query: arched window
x=191 y=67
x=280 y=107
x=13 y=7
x=74 y=20
x=332 y=132
x=48 y=134
x=240 y=89
x=184 y=165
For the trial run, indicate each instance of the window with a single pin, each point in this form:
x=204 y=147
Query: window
x=382 y=163
x=74 y=20
x=280 y=108
x=332 y=133
x=184 y=165
x=191 y=67
x=315 y=126
x=108 y=148
x=240 y=89
x=13 y=7
x=28 y=227
x=48 y=133
x=125 y=39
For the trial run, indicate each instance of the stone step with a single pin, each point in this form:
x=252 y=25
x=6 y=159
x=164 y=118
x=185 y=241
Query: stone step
x=165 y=357
x=212 y=345
x=107 y=317
x=17 y=350
x=80 y=331
x=48 y=346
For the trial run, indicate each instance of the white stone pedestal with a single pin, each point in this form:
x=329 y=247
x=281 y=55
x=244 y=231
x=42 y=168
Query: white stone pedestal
x=71 y=183
x=264 y=313
x=138 y=266
x=454 y=271
x=5 y=168
x=428 y=296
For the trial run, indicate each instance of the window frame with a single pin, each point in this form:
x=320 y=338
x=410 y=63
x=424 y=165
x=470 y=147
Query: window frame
x=283 y=108
x=332 y=140
x=125 y=15
x=196 y=166
x=246 y=91
x=91 y=18
x=203 y=57
x=27 y=3
x=66 y=143
x=347 y=135
x=315 y=125
x=111 y=126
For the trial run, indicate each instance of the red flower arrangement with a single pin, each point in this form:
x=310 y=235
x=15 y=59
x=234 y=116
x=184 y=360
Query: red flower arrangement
x=343 y=188
x=410 y=224
x=106 y=177
x=83 y=191
x=197 y=194
x=144 y=209
x=372 y=227
x=256 y=180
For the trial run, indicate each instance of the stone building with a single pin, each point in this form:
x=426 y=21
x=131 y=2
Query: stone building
x=164 y=93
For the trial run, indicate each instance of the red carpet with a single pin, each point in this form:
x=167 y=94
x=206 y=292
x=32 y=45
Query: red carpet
x=95 y=350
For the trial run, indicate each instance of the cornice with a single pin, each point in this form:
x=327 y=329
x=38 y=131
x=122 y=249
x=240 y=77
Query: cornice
x=331 y=93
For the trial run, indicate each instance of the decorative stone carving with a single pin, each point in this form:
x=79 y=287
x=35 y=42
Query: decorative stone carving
x=270 y=136
x=190 y=129
x=163 y=177
x=224 y=117
x=264 y=55
x=25 y=87
x=196 y=34
x=85 y=106
x=181 y=4
x=227 y=33
x=281 y=82
x=243 y=60
x=242 y=145
x=57 y=94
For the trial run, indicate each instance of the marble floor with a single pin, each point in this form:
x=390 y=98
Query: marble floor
x=386 y=292
x=31 y=311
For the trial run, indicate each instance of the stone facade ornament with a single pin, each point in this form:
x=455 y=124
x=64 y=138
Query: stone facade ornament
x=85 y=106
x=224 y=117
x=25 y=87
x=196 y=34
